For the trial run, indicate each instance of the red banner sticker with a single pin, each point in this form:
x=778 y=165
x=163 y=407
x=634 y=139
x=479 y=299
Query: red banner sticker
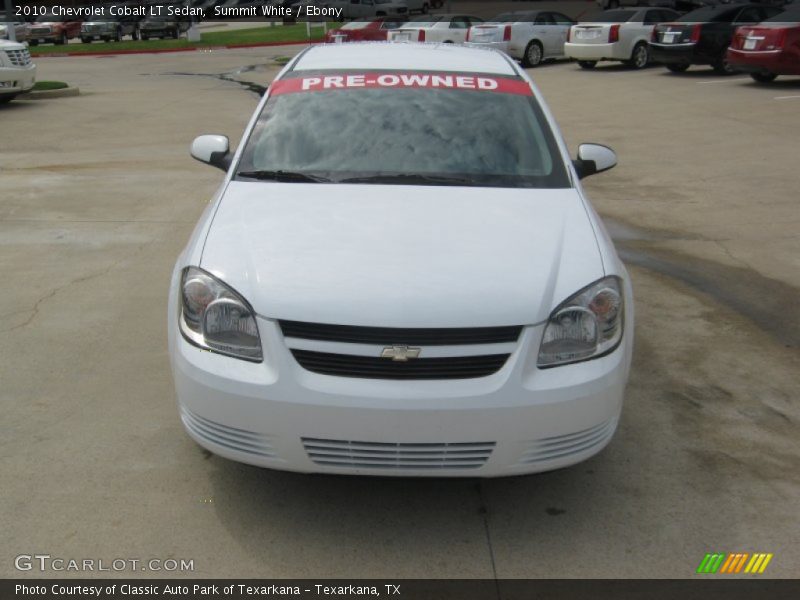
x=440 y=81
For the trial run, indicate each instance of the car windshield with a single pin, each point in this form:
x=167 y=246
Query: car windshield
x=394 y=127
x=709 y=14
x=357 y=25
x=513 y=18
x=614 y=16
x=790 y=15
x=50 y=18
x=423 y=21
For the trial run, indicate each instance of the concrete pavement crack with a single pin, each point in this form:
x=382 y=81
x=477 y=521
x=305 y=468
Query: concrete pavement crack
x=484 y=512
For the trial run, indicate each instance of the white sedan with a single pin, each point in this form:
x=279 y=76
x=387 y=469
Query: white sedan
x=447 y=29
x=528 y=36
x=378 y=289
x=621 y=35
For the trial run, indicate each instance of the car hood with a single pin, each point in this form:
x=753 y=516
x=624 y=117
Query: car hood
x=402 y=256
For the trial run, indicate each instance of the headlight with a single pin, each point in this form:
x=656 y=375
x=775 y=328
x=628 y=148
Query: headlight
x=216 y=318
x=587 y=325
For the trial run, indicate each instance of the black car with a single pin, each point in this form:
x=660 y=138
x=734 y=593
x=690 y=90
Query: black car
x=702 y=37
x=163 y=26
x=109 y=28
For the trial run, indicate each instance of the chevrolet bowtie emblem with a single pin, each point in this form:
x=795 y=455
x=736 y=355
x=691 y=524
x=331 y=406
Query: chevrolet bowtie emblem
x=400 y=353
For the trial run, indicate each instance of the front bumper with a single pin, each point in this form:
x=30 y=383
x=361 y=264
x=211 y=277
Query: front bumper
x=16 y=80
x=518 y=420
x=612 y=51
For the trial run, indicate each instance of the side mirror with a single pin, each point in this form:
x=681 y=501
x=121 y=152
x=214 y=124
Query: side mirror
x=213 y=150
x=594 y=158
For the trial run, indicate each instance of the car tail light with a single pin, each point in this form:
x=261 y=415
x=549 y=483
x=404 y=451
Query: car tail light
x=421 y=35
x=738 y=37
x=613 y=34
x=569 y=34
x=696 y=30
x=469 y=31
x=507 y=33
x=776 y=40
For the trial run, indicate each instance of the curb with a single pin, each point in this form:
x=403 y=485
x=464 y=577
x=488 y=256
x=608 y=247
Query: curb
x=46 y=94
x=169 y=50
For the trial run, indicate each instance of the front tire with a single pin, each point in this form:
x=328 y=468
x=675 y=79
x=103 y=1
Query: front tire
x=587 y=64
x=763 y=76
x=7 y=99
x=86 y=40
x=533 y=55
x=678 y=67
x=640 y=57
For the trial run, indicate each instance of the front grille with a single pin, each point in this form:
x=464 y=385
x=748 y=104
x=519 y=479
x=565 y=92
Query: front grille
x=369 y=367
x=233 y=438
x=379 y=455
x=450 y=336
x=560 y=446
x=19 y=58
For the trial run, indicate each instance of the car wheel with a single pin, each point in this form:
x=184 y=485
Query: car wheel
x=33 y=42
x=640 y=57
x=678 y=67
x=613 y=3
x=62 y=39
x=7 y=99
x=533 y=55
x=86 y=40
x=723 y=67
x=144 y=37
x=175 y=34
x=587 y=64
x=763 y=76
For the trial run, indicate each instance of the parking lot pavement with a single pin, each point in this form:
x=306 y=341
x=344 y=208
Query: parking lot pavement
x=99 y=195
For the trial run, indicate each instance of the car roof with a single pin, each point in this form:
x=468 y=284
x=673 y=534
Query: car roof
x=404 y=55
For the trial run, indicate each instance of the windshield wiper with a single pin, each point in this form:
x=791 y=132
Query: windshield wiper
x=282 y=176
x=410 y=179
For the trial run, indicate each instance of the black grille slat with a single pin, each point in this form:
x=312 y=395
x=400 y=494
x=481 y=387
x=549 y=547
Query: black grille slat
x=450 y=367
x=450 y=336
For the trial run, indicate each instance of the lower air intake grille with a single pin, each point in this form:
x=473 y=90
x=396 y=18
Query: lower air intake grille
x=450 y=367
x=376 y=455
x=447 y=336
x=560 y=446
x=229 y=437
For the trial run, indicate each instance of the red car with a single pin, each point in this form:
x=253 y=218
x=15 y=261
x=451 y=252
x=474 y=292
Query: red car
x=770 y=48
x=370 y=30
x=53 y=28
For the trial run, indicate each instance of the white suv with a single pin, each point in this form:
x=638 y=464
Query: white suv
x=17 y=72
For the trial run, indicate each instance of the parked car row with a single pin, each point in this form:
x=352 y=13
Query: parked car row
x=761 y=38
x=57 y=29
